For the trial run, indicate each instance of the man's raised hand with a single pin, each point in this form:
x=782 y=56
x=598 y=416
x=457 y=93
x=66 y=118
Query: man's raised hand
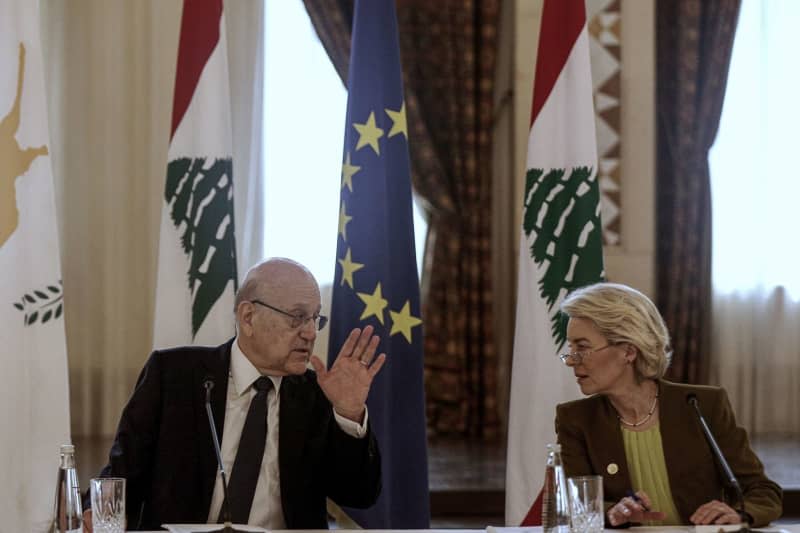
x=347 y=383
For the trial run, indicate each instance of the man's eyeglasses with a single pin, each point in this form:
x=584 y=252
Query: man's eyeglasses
x=297 y=321
x=581 y=354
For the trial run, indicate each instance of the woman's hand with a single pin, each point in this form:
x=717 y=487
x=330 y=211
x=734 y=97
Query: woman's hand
x=715 y=512
x=630 y=510
x=87 y=521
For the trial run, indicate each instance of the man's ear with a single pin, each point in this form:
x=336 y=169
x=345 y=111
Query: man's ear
x=244 y=318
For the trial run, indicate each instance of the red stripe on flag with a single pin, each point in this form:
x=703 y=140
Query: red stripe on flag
x=199 y=36
x=534 y=516
x=562 y=22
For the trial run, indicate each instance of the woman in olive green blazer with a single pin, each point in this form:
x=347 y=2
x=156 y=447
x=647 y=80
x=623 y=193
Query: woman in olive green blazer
x=637 y=430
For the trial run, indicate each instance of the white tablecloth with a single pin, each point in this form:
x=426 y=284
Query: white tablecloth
x=780 y=528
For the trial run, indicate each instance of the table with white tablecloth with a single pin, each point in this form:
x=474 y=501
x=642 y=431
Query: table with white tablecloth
x=204 y=528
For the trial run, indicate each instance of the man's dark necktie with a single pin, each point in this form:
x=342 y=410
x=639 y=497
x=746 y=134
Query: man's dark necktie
x=247 y=464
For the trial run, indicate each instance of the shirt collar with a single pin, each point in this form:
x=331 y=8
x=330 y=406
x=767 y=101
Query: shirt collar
x=244 y=373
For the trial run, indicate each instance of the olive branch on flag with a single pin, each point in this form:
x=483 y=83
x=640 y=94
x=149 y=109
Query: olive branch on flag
x=42 y=304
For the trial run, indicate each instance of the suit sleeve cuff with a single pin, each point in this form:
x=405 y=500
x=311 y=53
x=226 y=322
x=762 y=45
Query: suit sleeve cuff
x=354 y=429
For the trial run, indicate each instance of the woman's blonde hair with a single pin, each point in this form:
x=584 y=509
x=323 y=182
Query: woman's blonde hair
x=624 y=315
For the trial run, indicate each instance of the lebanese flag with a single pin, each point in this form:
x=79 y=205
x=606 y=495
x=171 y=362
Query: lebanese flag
x=197 y=253
x=560 y=247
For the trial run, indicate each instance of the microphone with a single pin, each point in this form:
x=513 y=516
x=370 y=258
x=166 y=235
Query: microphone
x=727 y=473
x=208 y=384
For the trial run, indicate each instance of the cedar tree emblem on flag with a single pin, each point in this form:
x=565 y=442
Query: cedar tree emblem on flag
x=562 y=217
x=200 y=200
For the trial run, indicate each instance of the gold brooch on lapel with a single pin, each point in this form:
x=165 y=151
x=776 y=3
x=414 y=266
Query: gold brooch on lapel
x=612 y=468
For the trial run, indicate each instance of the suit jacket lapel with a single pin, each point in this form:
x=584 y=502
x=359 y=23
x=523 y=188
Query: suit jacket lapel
x=215 y=367
x=674 y=419
x=611 y=461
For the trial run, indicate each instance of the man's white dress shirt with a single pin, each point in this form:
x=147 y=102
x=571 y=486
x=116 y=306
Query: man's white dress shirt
x=266 y=511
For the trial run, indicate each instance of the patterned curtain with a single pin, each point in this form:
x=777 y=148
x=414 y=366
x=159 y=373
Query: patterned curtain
x=694 y=43
x=448 y=49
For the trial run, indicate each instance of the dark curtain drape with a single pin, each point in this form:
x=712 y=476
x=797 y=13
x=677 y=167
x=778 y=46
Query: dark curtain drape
x=694 y=43
x=448 y=49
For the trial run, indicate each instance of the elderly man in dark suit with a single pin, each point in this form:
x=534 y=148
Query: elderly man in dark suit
x=290 y=436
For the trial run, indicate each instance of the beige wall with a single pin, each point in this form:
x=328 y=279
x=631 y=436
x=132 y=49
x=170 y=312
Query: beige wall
x=110 y=69
x=633 y=262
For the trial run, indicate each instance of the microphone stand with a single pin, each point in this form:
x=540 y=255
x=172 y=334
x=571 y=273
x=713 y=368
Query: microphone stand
x=227 y=527
x=727 y=473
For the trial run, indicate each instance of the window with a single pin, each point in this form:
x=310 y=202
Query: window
x=304 y=118
x=755 y=181
x=755 y=186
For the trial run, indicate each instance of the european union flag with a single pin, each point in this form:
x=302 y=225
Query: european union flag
x=376 y=273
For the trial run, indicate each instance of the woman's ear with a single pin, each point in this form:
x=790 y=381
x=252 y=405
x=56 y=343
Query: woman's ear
x=630 y=352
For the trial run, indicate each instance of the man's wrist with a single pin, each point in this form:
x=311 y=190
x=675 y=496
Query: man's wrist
x=354 y=415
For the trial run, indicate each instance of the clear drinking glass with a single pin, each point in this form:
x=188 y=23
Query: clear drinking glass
x=108 y=504
x=586 y=504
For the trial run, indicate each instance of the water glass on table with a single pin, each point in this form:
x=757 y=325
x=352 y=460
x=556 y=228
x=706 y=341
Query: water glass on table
x=108 y=504
x=586 y=504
